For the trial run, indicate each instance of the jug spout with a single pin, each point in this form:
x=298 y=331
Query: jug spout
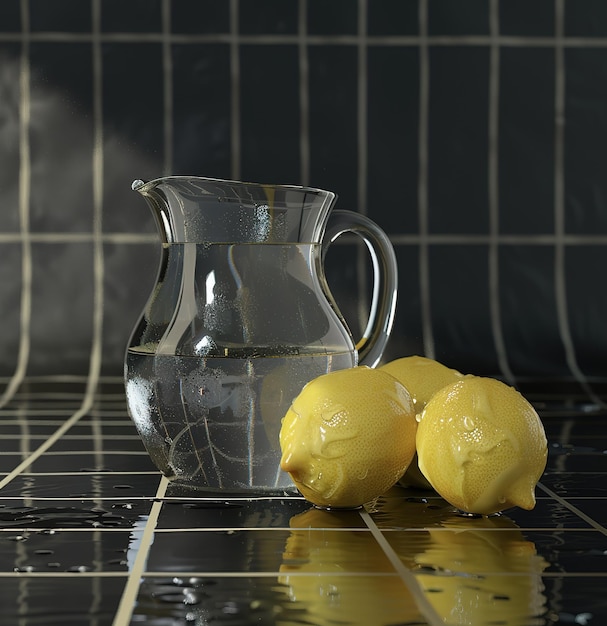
x=157 y=200
x=190 y=209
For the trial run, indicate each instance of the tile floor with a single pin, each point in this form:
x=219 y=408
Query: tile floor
x=90 y=534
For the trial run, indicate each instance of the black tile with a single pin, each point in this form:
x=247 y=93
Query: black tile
x=125 y=299
x=526 y=140
x=575 y=485
x=458 y=143
x=128 y=443
x=392 y=17
x=587 y=19
x=573 y=600
x=295 y=599
x=10 y=16
x=217 y=551
x=65 y=551
x=522 y=18
x=407 y=335
x=258 y=513
x=133 y=127
x=84 y=485
x=11 y=152
x=571 y=551
x=586 y=90
x=201 y=110
x=93 y=462
x=446 y=18
x=595 y=508
x=58 y=268
x=39 y=516
x=270 y=114
x=268 y=17
x=527 y=303
x=10 y=295
x=333 y=121
x=77 y=600
x=586 y=306
x=339 y=17
x=135 y=16
x=61 y=15
x=61 y=137
x=393 y=138
x=547 y=513
x=576 y=459
x=457 y=298
x=200 y=16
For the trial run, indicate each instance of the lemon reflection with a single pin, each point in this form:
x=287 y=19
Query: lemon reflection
x=336 y=571
x=480 y=571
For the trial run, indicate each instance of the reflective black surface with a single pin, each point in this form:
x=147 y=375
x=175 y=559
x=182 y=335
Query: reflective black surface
x=91 y=534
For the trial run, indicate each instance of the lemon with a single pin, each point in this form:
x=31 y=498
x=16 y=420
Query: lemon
x=422 y=377
x=482 y=446
x=348 y=437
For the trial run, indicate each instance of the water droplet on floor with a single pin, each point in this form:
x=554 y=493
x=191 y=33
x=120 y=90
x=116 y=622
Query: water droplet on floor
x=79 y=568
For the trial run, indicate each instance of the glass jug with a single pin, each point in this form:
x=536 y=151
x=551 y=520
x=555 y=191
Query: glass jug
x=240 y=318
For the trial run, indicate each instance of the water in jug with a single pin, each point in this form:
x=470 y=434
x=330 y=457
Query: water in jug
x=240 y=318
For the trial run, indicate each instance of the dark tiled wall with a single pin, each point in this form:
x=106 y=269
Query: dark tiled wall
x=474 y=133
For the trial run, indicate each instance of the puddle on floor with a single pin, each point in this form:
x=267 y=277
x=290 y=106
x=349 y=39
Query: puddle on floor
x=330 y=599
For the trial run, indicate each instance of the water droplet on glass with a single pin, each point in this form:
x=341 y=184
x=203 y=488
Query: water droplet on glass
x=469 y=423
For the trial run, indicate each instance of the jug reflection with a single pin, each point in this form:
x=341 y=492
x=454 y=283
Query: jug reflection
x=342 y=576
x=240 y=319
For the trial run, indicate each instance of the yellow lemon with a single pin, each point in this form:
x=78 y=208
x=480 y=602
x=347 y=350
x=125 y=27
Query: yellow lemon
x=422 y=377
x=482 y=446
x=348 y=437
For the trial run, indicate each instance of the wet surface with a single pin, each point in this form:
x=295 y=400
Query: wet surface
x=87 y=522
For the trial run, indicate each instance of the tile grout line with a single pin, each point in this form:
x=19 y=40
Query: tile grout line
x=422 y=183
x=235 y=139
x=362 y=169
x=425 y=608
x=131 y=589
x=167 y=73
x=304 y=94
x=493 y=192
x=505 y=41
x=24 y=183
x=521 y=239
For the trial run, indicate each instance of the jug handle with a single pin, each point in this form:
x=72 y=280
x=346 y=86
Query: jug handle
x=385 y=279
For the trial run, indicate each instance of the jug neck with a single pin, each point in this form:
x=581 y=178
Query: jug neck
x=191 y=209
